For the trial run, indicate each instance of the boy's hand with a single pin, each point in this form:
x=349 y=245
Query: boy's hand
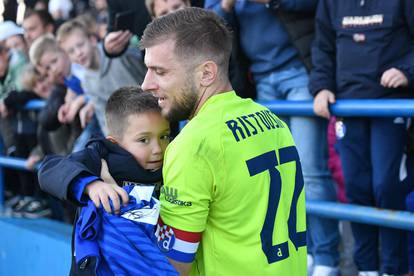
x=32 y=161
x=322 y=101
x=3 y=110
x=393 y=78
x=86 y=114
x=63 y=110
x=101 y=193
x=227 y=5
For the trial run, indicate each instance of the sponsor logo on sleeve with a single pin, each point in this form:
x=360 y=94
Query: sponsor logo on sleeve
x=171 y=195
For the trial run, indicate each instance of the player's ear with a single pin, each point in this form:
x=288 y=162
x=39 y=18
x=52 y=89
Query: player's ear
x=112 y=139
x=209 y=72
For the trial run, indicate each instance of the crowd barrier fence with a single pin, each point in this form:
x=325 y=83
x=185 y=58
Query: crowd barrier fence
x=365 y=108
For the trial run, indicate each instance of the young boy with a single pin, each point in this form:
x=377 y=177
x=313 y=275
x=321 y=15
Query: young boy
x=52 y=61
x=134 y=148
x=104 y=75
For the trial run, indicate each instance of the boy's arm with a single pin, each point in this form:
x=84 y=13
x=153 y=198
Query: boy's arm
x=323 y=52
x=183 y=268
x=58 y=173
x=407 y=67
x=69 y=178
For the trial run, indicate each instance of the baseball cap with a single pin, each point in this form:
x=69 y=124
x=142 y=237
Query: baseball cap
x=8 y=29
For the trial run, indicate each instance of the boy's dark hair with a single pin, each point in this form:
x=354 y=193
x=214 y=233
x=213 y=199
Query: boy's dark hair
x=44 y=16
x=125 y=101
x=198 y=34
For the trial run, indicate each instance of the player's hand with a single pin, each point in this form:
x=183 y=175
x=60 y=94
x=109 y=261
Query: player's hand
x=322 y=101
x=393 y=78
x=105 y=175
x=115 y=42
x=227 y=5
x=101 y=193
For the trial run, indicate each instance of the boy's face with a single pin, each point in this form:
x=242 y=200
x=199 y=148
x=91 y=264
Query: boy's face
x=56 y=65
x=79 y=48
x=42 y=87
x=163 y=7
x=16 y=42
x=146 y=137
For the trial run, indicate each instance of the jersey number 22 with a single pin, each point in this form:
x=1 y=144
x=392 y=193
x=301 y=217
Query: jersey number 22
x=268 y=162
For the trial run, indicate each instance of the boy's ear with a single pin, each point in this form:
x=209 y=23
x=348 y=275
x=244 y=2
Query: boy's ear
x=112 y=139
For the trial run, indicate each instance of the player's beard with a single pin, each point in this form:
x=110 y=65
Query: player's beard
x=182 y=108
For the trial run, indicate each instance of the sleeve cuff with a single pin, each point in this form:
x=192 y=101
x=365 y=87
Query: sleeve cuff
x=78 y=187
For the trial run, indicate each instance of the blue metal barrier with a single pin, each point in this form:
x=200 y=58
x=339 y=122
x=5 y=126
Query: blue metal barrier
x=16 y=163
x=362 y=214
x=346 y=108
x=367 y=108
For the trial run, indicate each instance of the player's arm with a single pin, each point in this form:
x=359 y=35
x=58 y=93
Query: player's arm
x=179 y=246
x=185 y=203
x=183 y=268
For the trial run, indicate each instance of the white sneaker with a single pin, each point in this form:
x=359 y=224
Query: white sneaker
x=322 y=270
x=368 y=273
x=310 y=265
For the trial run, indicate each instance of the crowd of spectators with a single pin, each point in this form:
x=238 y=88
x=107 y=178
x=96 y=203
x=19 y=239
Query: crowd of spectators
x=71 y=55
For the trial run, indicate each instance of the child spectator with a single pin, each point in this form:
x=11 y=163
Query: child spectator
x=53 y=61
x=133 y=150
x=103 y=75
x=11 y=63
x=29 y=202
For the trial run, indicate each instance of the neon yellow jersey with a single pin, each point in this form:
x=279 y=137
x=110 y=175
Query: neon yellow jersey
x=233 y=173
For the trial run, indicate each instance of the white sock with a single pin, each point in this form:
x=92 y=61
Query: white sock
x=368 y=273
x=323 y=270
x=310 y=265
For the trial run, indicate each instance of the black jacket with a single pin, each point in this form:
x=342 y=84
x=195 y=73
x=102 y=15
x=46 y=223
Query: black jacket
x=357 y=41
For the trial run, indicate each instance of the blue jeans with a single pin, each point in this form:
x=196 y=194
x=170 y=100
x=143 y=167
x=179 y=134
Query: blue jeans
x=311 y=141
x=371 y=150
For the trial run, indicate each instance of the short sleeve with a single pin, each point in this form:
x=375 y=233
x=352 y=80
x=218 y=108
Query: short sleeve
x=188 y=186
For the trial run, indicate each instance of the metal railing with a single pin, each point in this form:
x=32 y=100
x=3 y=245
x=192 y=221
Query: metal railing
x=346 y=108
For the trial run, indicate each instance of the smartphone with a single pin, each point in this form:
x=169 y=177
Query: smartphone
x=125 y=21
